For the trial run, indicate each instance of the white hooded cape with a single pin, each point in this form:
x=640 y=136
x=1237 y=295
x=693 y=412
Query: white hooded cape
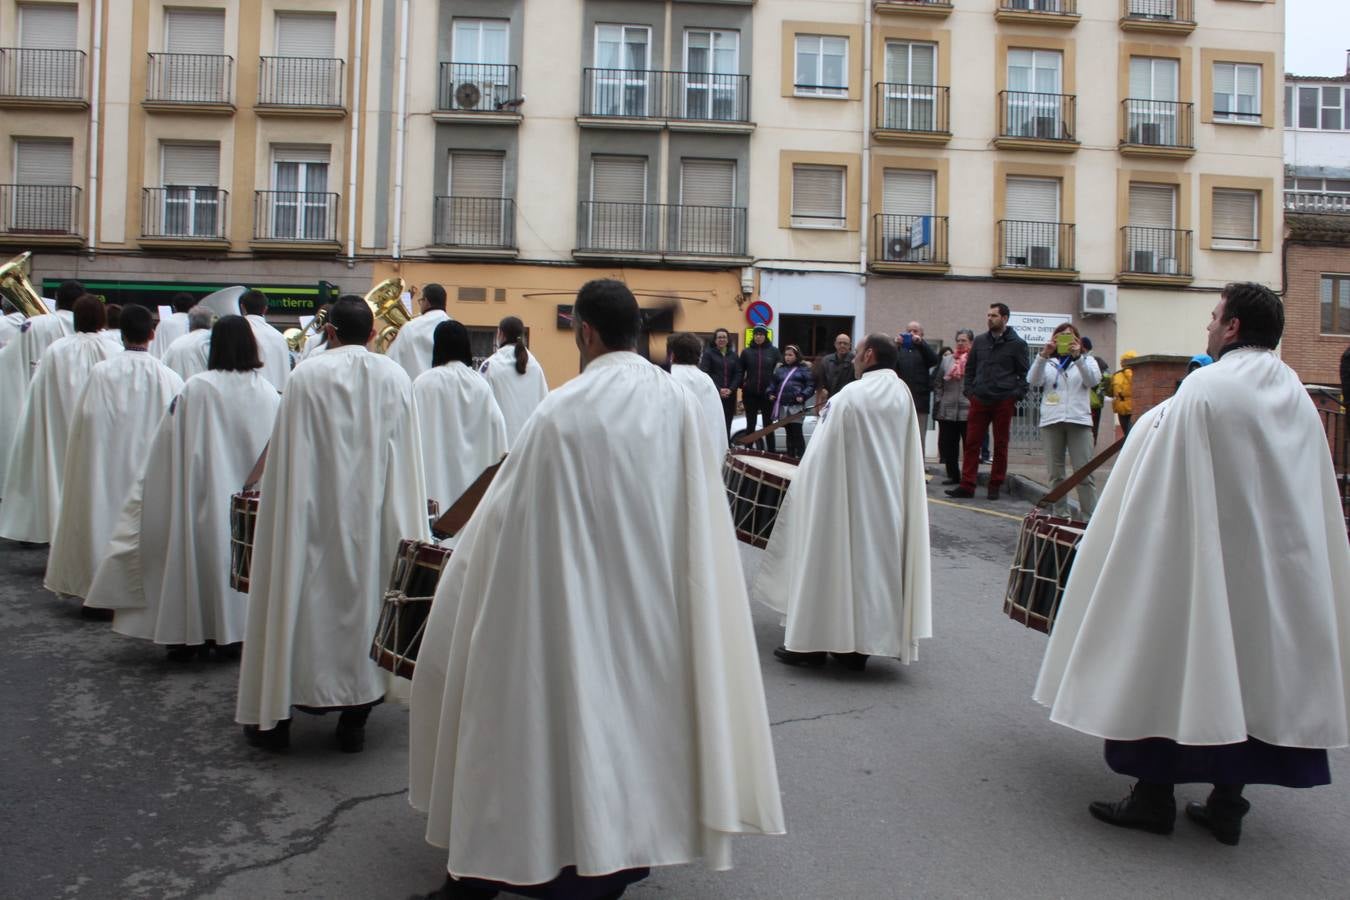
x=848 y=562
x=412 y=348
x=273 y=350
x=1207 y=601
x=167 y=567
x=110 y=433
x=9 y=327
x=516 y=394
x=463 y=431
x=189 y=354
x=18 y=362
x=337 y=494
x=33 y=476
x=167 y=331
x=588 y=689
x=709 y=401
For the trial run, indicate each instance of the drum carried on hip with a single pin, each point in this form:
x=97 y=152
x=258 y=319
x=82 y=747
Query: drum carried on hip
x=243 y=522
x=756 y=484
x=407 y=603
x=1045 y=553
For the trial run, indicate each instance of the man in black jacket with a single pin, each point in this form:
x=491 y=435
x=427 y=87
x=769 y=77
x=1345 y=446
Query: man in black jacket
x=723 y=366
x=757 y=364
x=914 y=365
x=836 y=370
x=996 y=378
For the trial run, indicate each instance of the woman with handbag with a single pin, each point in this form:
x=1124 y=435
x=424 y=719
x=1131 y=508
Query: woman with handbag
x=951 y=407
x=793 y=384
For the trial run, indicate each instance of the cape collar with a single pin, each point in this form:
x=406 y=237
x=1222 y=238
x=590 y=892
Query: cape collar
x=1240 y=345
x=616 y=358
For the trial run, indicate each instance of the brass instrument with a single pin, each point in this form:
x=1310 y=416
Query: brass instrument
x=224 y=302
x=296 y=337
x=18 y=290
x=387 y=307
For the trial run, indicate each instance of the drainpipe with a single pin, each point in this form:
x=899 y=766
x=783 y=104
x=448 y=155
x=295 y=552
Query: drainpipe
x=402 y=128
x=95 y=81
x=864 y=226
x=357 y=109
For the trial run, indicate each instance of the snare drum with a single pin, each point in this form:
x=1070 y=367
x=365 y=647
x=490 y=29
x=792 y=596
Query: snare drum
x=243 y=522
x=403 y=617
x=756 y=484
x=1045 y=552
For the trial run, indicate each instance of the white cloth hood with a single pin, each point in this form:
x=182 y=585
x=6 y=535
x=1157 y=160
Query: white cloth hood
x=463 y=431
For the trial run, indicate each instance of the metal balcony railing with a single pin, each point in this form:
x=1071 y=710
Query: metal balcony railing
x=1056 y=7
x=1160 y=10
x=477 y=87
x=662 y=228
x=190 y=78
x=922 y=108
x=1158 y=123
x=299 y=81
x=191 y=212
x=918 y=240
x=301 y=216
x=1035 y=245
x=643 y=93
x=1155 y=251
x=487 y=223
x=1312 y=202
x=40 y=209
x=41 y=74
x=1047 y=117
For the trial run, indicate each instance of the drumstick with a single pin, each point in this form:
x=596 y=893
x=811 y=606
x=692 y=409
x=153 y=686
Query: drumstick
x=786 y=420
x=255 y=476
x=457 y=516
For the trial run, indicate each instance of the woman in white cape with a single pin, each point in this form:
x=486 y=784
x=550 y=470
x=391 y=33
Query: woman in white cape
x=516 y=378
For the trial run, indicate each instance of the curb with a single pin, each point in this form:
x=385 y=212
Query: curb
x=1019 y=486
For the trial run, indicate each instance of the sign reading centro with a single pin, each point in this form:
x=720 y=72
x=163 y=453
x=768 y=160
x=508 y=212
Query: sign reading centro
x=1035 y=328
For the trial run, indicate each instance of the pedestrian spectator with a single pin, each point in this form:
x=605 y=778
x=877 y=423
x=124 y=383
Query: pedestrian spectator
x=791 y=388
x=836 y=369
x=1198 y=361
x=1122 y=391
x=757 y=363
x=915 y=365
x=1100 y=391
x=950 y=406
x=996 y=378
x=723 y=366
x=1067 y=375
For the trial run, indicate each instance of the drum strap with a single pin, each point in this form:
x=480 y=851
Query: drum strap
x=1060 y=490
x=255 y=476
x=457 y=516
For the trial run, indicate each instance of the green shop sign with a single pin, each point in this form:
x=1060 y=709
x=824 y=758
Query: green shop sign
x=282 y=299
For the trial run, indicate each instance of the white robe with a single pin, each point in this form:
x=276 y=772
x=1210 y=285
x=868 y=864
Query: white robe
x=167 y=331
x=516 y=394
x=1207 y=600
x=110 y=433
x=9 y=327
x=463 y=431
x=709 y=400
x=338 y=493
x=189 y=354
x=33 y=475
x=273 y=350
x=412 y=348
x=588 y=690
x=167 y=568
x=113 y=336
x=848 y=562
x=18 y=362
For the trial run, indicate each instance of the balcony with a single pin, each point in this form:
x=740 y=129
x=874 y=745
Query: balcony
x=1317 y=203
x=912 y=114
x=1158 y=16
x=1035 y=249
x=190 y=82
x=483 y=93
x=1157 y=128
x=652 y=100
x=1056 y=13
x=295 y=221
x=40 y=214
x=909 y=244
x=1155 y=255
x=659 y=231
x=48 y=79
x=1028 y=121
x=184 y=216
x=300 y=86
x=475 y=226
x=937 y=9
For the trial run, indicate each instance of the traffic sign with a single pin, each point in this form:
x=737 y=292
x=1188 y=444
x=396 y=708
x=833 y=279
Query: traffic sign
x=759 y=313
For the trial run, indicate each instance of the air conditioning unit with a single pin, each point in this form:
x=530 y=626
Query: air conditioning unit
x=1167 y=265
x=1040 y=257
x=1146 y=133
x=1045 y=127
x=1143 y=261
x=1098 y=300
x=897 y=248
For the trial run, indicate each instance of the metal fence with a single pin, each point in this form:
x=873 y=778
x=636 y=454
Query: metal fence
x=1162 y=10
x=299 y=81
x=1060 y=7
x=483 y=222
x=921 y=108
x=303 y=216
x=189 y=78
x=1155 y=251
x=41 y=74
x=184 y=211
x=1036 y=245
x=40 y=209
x=1047 y=117
x=480 y=87
x=909 y=239
x=662 y=228
x=1158 y=123
x=644 y=93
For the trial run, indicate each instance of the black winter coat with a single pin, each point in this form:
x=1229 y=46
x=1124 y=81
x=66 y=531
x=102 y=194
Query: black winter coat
x=997 y=367
x=913 y=367
x=757 y=364
x=723 y=368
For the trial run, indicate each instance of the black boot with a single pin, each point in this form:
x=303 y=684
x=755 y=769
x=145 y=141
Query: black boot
x=854 y=662
x=274 y=739
x=1149 y=807
x=1222 y=813
x=794 y=658
x=180 y=652
x=453 y=889
x=351 y=729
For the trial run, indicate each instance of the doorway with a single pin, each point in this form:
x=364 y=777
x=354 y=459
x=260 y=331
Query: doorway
x=813 y=334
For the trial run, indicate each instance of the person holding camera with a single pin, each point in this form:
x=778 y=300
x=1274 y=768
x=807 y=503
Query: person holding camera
x=1067 y=376
x=916 y=359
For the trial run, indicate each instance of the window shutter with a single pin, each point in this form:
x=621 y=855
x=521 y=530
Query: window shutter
x=1234 y=214
x=476 y=174
x=44 y=26
x=43 y=162
x=923 y=68
x=1140 y=77
x=299 y=154
x=194 y=31
x=818 y=192
x=907 y=192
x=1032 y=200
x=619 y=179
x=304 y=35
x=1223 y=78
x=708 y=182
x=191 y=165
x=1248 y=80
x=1152 y=205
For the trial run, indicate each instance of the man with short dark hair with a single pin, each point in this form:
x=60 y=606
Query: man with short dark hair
x=272 y=347
x=411 y=348
x=629 y=729
x=836 y=369
x=996 y=378
x=174 y=326
x=757 y=364
x=1204 y=631
x=684 y=350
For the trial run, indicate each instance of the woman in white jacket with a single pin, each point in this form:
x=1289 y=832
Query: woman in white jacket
x=1066 y=375
x=516 y=378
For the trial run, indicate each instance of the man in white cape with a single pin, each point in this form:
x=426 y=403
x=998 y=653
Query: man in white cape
x=587 y=701
x=463 y=431
x=10 y=323
x=188 y=355
x=166 y=573
x=36 y=462
x=848 y=562
x=516 y=378
x=338 y=493
x=273 y=350
x=411 y=349
x=685 y=350
x=173 y=326
x=1204 y=630
x=118 y=412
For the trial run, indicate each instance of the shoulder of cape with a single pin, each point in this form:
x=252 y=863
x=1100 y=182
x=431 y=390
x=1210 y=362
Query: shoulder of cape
x=27 y=324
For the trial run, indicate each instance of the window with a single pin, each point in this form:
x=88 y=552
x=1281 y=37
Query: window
x=479 y=55
x=712 y=84
x=618 y=219
x=476 y=207
x=300 y=198
x=1325 y=107
x=1034 y=106
x=818 y=196
x=306 y=35
x=822 y=66
x=1152 y=107
x=1031 y=227
x=907 y=200
x=1307 y=107
x=42 y=199
x=622 y=79
x=193 y=70
x=48 y=64
x=190 y=175
x=1151 y=238
x=1235 y=224
x=1237 y=92
x=909 y=102
x=707 y=215
x=1336 y=304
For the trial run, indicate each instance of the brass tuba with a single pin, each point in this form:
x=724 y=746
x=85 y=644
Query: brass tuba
x=296 y=337
x=387 y=307
x=17 y=289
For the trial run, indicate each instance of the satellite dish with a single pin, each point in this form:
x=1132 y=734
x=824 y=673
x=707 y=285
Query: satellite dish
x=224 y=302
x=467 y=95
x=897 y=247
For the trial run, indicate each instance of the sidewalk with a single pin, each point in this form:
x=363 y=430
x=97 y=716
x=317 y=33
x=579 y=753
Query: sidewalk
x=1027 y=478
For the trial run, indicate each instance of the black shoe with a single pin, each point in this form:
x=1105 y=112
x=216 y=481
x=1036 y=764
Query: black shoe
x=1147 y=808
x=993 y=493
x=985 y=460
x=951 y=481
x=95 y=614
x=959 y=492
x=351 y=730
x=854 y=662
x=230 y=651
x=274 y=739
x=793 y=658
x=180 y=653
x=454 y=889
x=1223 y=818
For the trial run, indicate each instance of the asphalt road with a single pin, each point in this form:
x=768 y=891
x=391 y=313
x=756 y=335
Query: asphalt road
x=122 y=776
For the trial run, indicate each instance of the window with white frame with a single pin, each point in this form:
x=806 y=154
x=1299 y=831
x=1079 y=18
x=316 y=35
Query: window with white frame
x=1234 y=224
x=1031 y=229
x=1152 y=105
x=821 y=68
x=818 y=196
x=1151 y=239
x=909 y=102
x=190 y=175
x=300 y=198
x=1237 y=92
x=42 y=198
x=907 y=201
x=46 y=62
x=480 y=54
x=712 y=83
x=193 y=67
x=1336 y=304
x=1033 y=105
x=475 y=212
x=708 y=217
x=619 y=214
x=622 y=77
x=1323 y=107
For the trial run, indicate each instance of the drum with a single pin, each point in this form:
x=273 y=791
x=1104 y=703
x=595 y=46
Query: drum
x=407 y=603
x=756 y=484
x=243 y=522
x=1040 y=570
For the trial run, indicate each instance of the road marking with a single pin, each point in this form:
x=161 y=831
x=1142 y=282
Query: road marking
x=987 y=512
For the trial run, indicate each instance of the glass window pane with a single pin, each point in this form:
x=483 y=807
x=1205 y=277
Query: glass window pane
x=1288 y=107
x=1248 y=79
x=1307 y=107
x=1338 y=185
x=923 y=70
x=1331 y=119
x=1327 y=309
x=1223 y=78
x=1343 y=307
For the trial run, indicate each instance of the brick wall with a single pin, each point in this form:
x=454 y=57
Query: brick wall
x=1314 y=356
x=1155 y=379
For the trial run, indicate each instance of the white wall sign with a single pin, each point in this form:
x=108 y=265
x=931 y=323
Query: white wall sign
x=1035 y=328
